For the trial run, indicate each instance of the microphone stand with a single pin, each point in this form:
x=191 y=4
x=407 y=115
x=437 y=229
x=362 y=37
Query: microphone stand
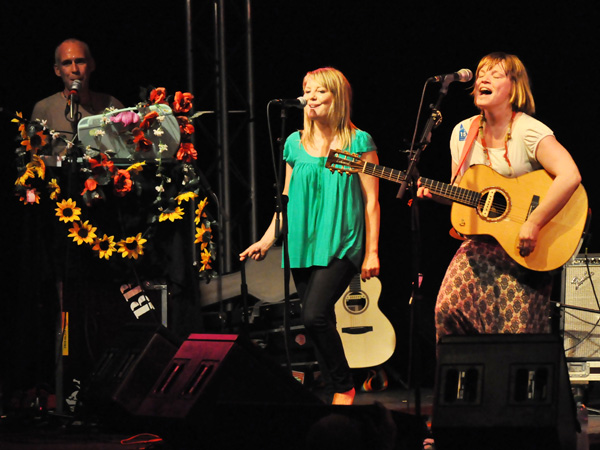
x=281 y=231
x=63 y=283
x=73 y=109
x=414 y=371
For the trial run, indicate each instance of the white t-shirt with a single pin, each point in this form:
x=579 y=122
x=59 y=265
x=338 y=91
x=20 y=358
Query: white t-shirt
x=526 y=134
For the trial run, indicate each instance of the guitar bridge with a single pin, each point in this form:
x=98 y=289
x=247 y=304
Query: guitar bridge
x=357 y=330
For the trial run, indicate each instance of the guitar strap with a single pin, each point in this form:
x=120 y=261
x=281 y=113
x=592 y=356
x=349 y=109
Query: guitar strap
x=471 y=135
x=473 y=131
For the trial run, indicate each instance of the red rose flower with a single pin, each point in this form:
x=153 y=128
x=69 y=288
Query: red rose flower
x=148 y=120
x=182 y=103
x=185 y=126
x=122 y=182
x=143 y=144
x=158 y=95
x=187 y=152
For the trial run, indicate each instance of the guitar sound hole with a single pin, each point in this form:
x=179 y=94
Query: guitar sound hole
x=356 y=302
x=498 y=207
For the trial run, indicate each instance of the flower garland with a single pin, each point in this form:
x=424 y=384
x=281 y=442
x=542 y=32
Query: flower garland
x=99 y=172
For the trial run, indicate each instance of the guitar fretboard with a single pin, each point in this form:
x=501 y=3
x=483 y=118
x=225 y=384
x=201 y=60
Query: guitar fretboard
x=454 y=193
x=355 y=283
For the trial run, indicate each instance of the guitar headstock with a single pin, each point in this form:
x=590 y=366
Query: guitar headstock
x=344 y=162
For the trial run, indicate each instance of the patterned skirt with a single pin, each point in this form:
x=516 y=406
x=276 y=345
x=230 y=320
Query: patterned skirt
x=485 y=291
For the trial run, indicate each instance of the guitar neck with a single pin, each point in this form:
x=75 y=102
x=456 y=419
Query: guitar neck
x=445 y=190
x=355 y=283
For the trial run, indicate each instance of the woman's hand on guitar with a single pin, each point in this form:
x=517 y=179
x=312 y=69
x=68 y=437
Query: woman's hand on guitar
x=528 y=235
x=422 y=191
x=370 y=267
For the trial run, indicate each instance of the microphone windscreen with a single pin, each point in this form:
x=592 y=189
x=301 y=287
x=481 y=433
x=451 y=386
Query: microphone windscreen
x=465 y=75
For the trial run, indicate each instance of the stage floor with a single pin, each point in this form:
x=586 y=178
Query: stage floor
x=62 y=433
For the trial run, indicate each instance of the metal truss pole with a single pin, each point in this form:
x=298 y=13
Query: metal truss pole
x=223 y=132
x=251 y=121
x=223 y=121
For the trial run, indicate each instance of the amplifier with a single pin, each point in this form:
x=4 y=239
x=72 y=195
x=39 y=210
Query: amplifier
x=580 y=324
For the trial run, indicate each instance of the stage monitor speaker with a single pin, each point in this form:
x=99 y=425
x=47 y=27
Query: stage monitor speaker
x=581 y=328
x=220 y=369
x=503 y=391
x=128 y=368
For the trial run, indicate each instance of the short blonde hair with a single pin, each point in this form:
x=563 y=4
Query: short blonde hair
x=339 y=114
x=521 y=97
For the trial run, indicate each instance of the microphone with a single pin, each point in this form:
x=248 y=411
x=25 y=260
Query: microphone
x=463 y=75
x=74 y=97
x=299 y=102
x=74 y=92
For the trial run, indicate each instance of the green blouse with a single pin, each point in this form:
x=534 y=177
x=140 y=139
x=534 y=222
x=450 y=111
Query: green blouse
x=325 y=211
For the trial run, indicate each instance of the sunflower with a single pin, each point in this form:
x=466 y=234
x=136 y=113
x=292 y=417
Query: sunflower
x=37 y=166
x=21 y=123
x=185 y=197
x=35 y=142
x=132 y=247
x=205 y=260
x=136 y=167
x=83 y=232
x=203 y=236
x=54 y=189
x=26 y=175
x=68 y=211
x=171 y=214
x=105 y=246
x=200 y=210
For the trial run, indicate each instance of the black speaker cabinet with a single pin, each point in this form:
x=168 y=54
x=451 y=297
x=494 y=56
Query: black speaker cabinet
x=503 y=392
x=128 y=368
x=220 y=369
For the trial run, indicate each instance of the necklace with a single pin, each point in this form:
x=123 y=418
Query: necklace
x=506 y=139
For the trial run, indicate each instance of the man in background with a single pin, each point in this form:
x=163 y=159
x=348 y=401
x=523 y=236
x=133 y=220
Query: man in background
x=74 y=64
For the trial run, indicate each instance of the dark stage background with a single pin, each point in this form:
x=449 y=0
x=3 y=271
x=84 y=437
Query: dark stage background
x=386 y=49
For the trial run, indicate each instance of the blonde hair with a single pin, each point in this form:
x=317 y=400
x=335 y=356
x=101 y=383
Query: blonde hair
x=521 y=97
x=339 y=113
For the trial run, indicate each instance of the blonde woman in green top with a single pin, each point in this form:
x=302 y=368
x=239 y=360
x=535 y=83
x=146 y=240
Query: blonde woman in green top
x=333 y=220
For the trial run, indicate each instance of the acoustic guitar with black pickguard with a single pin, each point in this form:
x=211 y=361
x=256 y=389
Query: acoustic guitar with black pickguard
x=487 y=203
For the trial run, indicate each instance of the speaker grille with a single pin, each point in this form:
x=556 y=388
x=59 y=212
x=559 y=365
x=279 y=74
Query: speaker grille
x=581 y=328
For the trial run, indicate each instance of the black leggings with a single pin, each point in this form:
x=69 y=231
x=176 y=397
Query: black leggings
x=319 y=289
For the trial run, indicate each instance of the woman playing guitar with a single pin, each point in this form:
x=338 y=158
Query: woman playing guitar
x=484 y=289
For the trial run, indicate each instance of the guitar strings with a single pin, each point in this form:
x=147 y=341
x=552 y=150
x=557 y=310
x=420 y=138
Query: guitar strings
x=462 y=195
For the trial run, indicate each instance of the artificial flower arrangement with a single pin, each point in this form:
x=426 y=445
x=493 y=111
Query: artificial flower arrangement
x=143 y=127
